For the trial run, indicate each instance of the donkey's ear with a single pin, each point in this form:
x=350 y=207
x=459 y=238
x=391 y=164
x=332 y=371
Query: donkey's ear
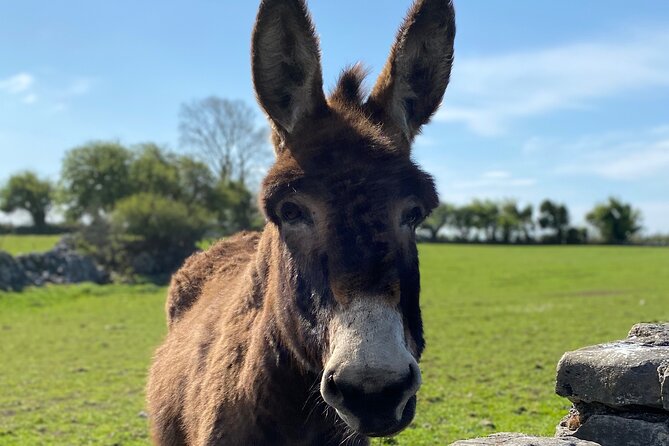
x=286 y=64
x=412 y=83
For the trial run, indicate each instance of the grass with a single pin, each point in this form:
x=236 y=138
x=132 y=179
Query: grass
x=497 y=319
x=23 y=244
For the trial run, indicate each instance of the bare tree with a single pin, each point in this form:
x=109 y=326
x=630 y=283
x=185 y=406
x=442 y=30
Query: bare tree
x=226 y=135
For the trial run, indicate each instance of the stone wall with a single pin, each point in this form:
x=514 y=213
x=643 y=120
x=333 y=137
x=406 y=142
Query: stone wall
x=618 y=389
x=60 y=265
x=523 y=440
x=619 y=392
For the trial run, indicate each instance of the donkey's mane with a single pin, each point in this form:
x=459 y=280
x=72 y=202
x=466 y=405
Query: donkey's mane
x=349 y=88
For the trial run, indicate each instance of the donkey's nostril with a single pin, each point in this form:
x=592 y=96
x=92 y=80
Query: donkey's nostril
x=331 y=387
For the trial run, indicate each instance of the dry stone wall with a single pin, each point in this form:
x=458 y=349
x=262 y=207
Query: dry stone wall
x=619 y=392
x=506 y=439
x=60 y=265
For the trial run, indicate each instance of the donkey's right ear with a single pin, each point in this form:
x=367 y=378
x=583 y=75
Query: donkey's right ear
x=286 y=64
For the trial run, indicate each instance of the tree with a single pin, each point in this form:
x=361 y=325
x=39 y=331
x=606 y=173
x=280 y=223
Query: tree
x=94 y=177
x=576 y=236
x=196 y=183
x=234 y=205
x=526 y=217
x=154 y=170
x=616 y=221
x=509 y=220
x=441 y=216
x=556 y=217
x=177 y=177
x=463 y=221
x=26 y=191
x=226 y=135
x=485 y=218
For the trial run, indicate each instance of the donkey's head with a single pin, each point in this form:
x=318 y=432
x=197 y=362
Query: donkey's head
x=346 y=198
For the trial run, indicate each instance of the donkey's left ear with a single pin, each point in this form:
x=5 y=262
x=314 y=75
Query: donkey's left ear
x=413 y=81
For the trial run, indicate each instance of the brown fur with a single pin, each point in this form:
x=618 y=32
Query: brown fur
x=248 y=337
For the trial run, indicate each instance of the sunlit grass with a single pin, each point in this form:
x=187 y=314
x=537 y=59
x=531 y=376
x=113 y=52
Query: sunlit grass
x=23 y=244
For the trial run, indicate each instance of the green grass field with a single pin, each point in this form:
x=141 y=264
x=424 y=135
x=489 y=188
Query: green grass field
x=73 y=360
x=22 y=244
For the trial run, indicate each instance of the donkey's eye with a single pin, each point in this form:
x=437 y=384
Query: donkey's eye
x=291 y=213
x=413 y=216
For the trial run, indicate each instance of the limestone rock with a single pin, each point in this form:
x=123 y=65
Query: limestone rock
x=656 y=335
x=12 y=277
x=569 y=423
x=60 y=265
x=663 y=372
x=619 y=374
x=506 y=439
x=620 y=390
x=611 y=430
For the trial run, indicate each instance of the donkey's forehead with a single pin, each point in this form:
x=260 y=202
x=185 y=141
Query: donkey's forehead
x=374 y=178
x=339 y=136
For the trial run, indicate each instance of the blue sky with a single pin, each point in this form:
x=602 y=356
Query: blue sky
x=561 y=99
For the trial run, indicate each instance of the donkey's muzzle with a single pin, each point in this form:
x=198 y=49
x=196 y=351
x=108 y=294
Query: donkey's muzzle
x=383 y=412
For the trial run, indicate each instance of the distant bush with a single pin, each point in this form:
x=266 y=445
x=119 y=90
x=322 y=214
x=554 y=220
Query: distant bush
x=157 y=234
x=147 y=235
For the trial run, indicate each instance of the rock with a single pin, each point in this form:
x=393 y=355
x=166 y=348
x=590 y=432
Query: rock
x=506 y=439
x=655 y=335
x=12 y=276
x=663 y=372
x=620 y=374
x=620 y=390
x=568 y=425
x=611 y=430
x=60 y=265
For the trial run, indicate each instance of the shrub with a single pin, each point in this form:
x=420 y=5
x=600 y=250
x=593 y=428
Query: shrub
x=157 y=234
x=147 y=235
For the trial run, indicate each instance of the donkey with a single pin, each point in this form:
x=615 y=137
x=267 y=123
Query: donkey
x=310 y=332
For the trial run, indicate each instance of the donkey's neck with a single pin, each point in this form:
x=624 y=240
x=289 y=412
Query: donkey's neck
x=287 y=403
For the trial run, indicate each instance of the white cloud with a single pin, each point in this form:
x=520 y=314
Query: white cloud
x=639 y=164
x=78 y=87
x=615 y=155
x=496 y=175
x=496 y=180
x=30 y=98
x=55 y=98
x=488 y=93
x=18 y=83
x=58 y=108
x=660 y=130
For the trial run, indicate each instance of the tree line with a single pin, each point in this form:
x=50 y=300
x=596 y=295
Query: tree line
x=488 y=221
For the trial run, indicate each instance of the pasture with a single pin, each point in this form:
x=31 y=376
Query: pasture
x=73 y=359
x=22 y=244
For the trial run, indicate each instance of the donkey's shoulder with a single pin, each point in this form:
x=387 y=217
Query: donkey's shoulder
x=225 y=257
